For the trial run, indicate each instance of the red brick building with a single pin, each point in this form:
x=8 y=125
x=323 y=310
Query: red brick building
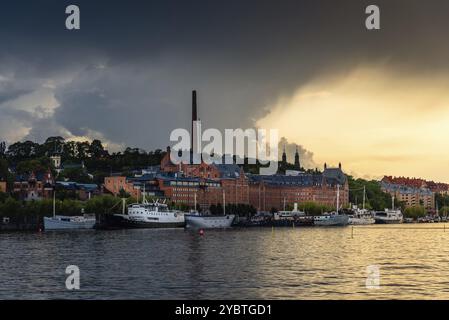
x=267 y=192
x=210 y=183
x=115 y=184
x=34 y=186
x=180 y=183
x=262 y=192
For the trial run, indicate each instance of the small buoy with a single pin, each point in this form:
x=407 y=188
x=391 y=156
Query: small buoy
x=201 y=232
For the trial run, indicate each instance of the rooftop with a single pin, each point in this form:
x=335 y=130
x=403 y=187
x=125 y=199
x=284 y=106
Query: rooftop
x=391 y=187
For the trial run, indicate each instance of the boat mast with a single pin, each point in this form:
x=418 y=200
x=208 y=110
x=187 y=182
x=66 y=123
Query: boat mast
x=54 y=203
x=224 y=203
x=284 y=203
x=194 y=201
x=392 y=202
x=338 y=197
x=143 y=196
x=436 y=202
x=364 y=192
x=123 y=205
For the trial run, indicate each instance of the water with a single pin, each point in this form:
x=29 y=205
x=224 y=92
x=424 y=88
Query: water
x=299 y=263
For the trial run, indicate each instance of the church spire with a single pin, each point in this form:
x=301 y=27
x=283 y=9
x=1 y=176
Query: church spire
x=297 y=163
x=284 y=156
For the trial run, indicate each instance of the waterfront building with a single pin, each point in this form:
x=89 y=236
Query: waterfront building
x=275 y=191
x=436 y=187
x=34 y=186
x=140 y=183
x=208 y=183
x=83 y=191
x=413 y=192
x=119 y=184
x=183 y=190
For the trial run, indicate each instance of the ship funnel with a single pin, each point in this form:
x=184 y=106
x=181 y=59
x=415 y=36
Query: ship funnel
x=295 y=207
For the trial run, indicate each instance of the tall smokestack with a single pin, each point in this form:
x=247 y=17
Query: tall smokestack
x=194 y=118
x=194 y=111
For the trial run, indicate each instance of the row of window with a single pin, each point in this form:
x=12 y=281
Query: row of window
x=193 y=183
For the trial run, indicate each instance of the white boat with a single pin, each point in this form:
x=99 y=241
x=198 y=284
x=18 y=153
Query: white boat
x=195 y=220
x=332 y=219
x=69 y=222
x=289 y=215
x=150 y=215
x=389 y=216
x=58 y=222
x=361 y=218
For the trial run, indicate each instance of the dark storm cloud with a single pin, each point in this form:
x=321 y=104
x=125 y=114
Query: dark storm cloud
x=127 y=74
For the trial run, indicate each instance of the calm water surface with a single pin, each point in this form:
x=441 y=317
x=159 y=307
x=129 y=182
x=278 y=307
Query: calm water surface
x=300 y=263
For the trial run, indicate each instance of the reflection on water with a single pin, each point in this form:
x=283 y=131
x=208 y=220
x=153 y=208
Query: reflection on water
x=290 y=263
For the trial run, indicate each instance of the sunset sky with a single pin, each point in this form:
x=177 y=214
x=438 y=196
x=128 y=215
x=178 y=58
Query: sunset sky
x=373 y=120
x=378 y=101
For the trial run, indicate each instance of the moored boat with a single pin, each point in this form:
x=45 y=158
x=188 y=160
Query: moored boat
x=195 y=220
x=332 y=219
x=60 y=222
x=361 y=217
x=389 y=216
x=69 y=222
x=291 y=218
x=150 y=215
x=289 y=215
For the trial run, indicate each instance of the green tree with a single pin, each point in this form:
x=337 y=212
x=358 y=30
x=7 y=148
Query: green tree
x=3 y=197
x=83 y=150
x=414 y=212
x=70 y=151
x=104 y=204
x=375 y=198
x=10 y=208
x=3 y=169
x=23 y=150
x=441 y=200
x=75 y=174
x=96 y=149
x=36 y=165
x=2 y=149
x=444 y=210
x=52 y=145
